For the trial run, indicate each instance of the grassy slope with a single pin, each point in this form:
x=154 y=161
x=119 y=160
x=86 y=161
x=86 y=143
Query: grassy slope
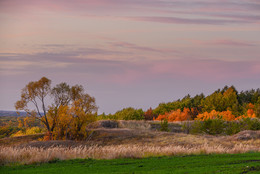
x=225 y=163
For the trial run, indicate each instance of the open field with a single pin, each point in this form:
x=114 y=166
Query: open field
x=224 y=163
x=128 y=149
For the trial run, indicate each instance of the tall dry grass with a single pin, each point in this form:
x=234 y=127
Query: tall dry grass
x=31 y=155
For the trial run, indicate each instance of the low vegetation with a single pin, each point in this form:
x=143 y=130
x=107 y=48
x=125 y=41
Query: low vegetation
x=219 y=126
x=215 y=163
x=6 y=131
x=30 y=155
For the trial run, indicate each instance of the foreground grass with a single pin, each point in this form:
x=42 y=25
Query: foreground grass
x=215 y=163
x=31 y=155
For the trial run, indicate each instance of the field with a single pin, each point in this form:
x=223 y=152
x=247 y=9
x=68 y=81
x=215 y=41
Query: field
x=224 y=163
x=128 y=149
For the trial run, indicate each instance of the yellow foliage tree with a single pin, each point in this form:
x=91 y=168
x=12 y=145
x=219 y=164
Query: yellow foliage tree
x=71 y=121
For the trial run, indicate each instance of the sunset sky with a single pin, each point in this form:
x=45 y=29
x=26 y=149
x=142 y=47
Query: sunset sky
x=130 y=53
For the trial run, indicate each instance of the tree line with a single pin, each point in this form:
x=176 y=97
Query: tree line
x=226 y=103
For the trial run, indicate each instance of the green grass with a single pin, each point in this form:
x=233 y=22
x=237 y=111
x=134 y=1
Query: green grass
x=224 y=163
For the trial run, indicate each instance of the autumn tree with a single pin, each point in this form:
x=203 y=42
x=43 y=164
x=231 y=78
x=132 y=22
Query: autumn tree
x=176 y=115
x=149 y=115
x=35 y=93
x=60 y=97
x=81 y=113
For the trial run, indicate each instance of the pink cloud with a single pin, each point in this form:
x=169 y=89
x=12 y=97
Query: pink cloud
x=240 y=11
x=231 y=43
x=228 y=42
x=127 y=72
x=132 y=46
x=182 y=20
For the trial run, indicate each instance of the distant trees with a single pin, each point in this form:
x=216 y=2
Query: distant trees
x=70 y=102
x=185 y=102
x=129 y=114
x=226 y=100
x=226 y=104
x=176 y=115
x=149 y=114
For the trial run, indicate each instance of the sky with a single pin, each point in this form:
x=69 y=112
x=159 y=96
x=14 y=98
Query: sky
x=129 y=53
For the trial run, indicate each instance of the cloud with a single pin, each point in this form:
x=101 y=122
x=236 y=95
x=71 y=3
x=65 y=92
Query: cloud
x=226 y=42
x=94 y=62
x=133 y=46
x=178 y=20
x=216 y=11
x=79 y=55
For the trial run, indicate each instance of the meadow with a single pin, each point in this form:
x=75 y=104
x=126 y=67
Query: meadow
x=215 y=163
x=134 y=148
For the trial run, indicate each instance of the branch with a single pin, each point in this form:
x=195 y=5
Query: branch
x=35 y=103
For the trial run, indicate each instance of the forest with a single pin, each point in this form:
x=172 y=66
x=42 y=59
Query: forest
x=227 y=104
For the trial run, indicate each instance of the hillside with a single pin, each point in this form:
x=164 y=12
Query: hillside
x=12 y=113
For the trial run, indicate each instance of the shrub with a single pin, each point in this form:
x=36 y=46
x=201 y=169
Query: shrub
x=232 y=127
x=254 y=124
x=129 y=114
x=7 y=131
x=28 y=131
x=196 y=127
x=164 y=126
x=187 y=127
x=213 y=126
x=249 y=124
x=209 y=126
x=218 y=126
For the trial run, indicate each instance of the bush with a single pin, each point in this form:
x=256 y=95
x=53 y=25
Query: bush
x=254 y=124
x=164 y=126
x=209 y=126
x=7 y=131
x=232 y=127
x=250 y=124
x=129 y=114
x=213 y=126
x=218 y=126
x=196 y=127
x=187 y=126
x=28 y=131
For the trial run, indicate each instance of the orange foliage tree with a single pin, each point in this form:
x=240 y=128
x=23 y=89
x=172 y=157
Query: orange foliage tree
x=149 y=115
x=177 y=115
x=224 y=115
x=250 y=112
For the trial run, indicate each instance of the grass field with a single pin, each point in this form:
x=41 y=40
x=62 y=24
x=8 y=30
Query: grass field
x=216 y=163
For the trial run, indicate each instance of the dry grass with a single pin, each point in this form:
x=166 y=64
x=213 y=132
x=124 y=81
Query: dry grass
x=125 y=143
x=29 y=155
